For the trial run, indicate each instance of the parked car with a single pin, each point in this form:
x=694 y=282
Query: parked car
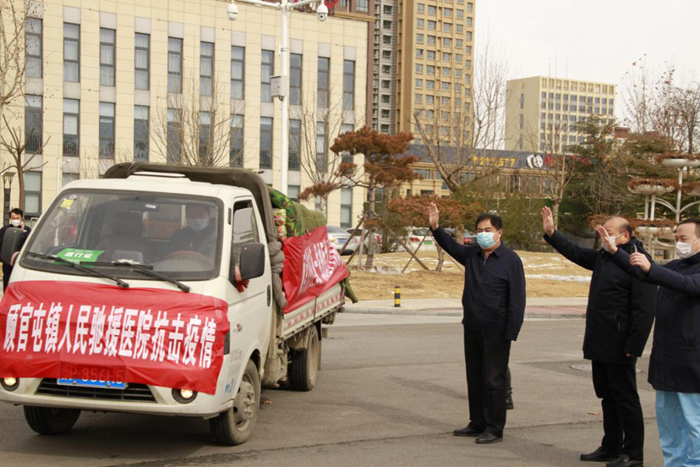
x=415 y=237
x=355 y=242
x=339 y=237
x=469 y=238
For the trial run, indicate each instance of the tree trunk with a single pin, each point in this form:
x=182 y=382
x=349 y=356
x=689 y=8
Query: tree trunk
x=555 y=213
x=372 y=209
x=20 y=180
x=441 y=257
x=459 y=234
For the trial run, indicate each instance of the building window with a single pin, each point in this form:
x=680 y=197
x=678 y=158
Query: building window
x=363 y=5
x=294 y=144
x=106 y=130
x=430 y=84
x=470 y=22
x=448 y=12
x=419 y=83
x=430 y=70
x=419 y=69
x=140 y=133
x=33 y=124
x=66 y=178
x=71 y=126
x=419 y=39
x=142 y=61
x=237 y=72
x=107 y=56
x=348 y=85
x=237 y=140
x=460 y=14
x=386 y=24
x=33 y=47
x=265 y=143
x=174 y=65
x=446 y=42
x=419 y=53
x=431 y=55
x=346 y=208
x=420 y=23
x=324 y=65
x=386 y=99
x=293 y=192
x=447 y=27
x=71 y=52
x=419 y=98
x=206 y=68
x=431 y=40
x=432 y=25
x=386 y=54
x=470 y=7
x=421 y=8
x=205 y=139
x=32 y=194
x=295 y=74
x=267 y=69
x=432 y=10
x=174 y=137
x=321 y=147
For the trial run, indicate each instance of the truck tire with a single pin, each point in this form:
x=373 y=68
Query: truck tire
x=234 y=426
x=50 y=421
x=304 y=364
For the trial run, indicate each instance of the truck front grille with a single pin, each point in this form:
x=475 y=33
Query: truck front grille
x=133 y=392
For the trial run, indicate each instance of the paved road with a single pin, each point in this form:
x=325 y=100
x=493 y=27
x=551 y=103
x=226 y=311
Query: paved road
x=391 y=391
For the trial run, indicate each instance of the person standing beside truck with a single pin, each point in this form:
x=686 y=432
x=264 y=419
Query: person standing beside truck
x=494 y=307
x=674 y=366
x=16 y=222
x=619 y=318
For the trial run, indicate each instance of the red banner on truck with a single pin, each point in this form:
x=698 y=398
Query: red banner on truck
x=311 y=266
x=100 y=332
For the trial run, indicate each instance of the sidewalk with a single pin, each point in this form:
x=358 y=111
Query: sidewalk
x=574 y=307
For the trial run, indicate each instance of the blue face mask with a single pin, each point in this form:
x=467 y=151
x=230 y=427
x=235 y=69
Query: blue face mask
x=485 y=240
x=198 y=224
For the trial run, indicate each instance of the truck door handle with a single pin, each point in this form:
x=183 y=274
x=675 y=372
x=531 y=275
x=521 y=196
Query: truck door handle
x=269 y=295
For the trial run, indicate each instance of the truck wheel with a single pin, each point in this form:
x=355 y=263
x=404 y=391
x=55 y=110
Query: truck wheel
x=234 y=426
x=304 y=364
x=50 y=421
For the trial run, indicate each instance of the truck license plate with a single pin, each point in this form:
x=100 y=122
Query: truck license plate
x=91 y=383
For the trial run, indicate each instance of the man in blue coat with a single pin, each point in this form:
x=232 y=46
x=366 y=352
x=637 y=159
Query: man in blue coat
x=674 y=369
x=619 y=317
x=494 y=307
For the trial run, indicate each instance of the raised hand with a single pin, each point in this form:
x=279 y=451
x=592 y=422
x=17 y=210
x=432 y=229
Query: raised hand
x=640 y=259
x=433 y=215
x=547 y=221
x=608 y=241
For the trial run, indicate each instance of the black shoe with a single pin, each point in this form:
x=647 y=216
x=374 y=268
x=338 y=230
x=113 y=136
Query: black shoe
x=468 y=431
x=509 y=402
x=625 y=461
x=488 y=438
x=599 y=456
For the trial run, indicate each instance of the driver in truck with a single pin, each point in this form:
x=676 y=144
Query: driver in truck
x=199 y=235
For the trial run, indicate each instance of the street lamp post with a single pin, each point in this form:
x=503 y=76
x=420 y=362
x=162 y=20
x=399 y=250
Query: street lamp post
x=7 y=186
x=285 y=6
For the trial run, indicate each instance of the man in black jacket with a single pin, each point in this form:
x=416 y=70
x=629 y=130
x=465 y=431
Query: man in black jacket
x=674 y=367
x=619 y=317
x=494 y=307
x=16 y=222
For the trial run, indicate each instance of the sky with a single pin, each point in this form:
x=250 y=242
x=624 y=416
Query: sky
x=595 y=40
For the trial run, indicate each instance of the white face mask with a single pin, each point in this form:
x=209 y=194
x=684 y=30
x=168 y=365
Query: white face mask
x=685 y=249
x=614 y=241
x=15 y=222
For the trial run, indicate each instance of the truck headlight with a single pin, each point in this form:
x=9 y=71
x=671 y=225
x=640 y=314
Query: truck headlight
x=10 y=384
x=184 y=396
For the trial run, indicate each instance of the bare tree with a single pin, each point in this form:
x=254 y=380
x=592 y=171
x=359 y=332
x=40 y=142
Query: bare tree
x=196 y=130
x=23 y=149
x=458 y=141
x=323 y=167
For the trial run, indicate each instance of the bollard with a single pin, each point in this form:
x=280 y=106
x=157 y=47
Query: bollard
x=397 y=296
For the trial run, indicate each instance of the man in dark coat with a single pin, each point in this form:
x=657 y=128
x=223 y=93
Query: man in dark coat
x=619 y=318
x=674 y=369
x=494 y=307
x=16 y=222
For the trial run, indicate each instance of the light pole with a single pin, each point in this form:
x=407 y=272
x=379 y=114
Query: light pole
x=7 y=186
x=285 y=6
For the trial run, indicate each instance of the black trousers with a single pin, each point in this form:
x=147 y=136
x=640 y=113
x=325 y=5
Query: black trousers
x=623 y=420
x=486 y=356
x=6 y=270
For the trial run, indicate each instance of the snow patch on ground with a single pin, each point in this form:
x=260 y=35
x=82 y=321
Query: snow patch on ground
x=554 y=277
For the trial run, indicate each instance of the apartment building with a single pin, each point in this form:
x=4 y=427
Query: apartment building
x=541 y=112
x=168 y=80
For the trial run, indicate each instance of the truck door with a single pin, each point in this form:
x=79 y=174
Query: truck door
x=252 y=298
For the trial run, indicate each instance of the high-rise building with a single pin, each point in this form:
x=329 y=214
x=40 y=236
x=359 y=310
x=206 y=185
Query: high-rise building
x=434 y=63
x=110 y=82
x=542 y=112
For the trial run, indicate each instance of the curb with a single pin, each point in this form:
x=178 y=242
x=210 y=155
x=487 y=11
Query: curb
x=453 y=312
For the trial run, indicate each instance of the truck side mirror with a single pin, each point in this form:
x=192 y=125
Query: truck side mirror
x=12 y=242
x=251 y=263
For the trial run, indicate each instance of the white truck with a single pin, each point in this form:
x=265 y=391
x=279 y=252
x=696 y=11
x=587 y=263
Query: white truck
x=85 y=325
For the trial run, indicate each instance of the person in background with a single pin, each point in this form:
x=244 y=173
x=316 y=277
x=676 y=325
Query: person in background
x=619 y=318
x=494 y=308
x=16 y=222
x=674 y=367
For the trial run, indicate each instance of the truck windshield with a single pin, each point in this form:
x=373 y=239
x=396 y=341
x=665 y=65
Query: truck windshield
x=177 y=236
